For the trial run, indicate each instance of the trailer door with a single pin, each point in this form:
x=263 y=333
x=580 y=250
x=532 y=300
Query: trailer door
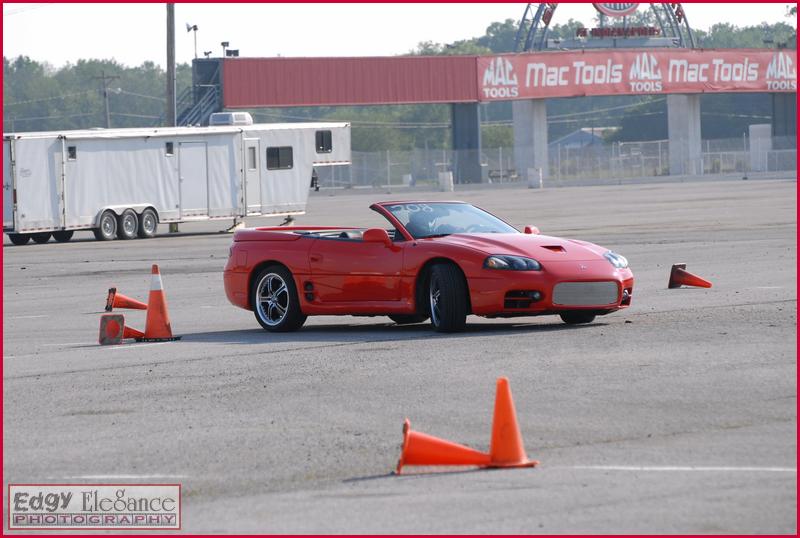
x=252 y=179
x=8 y=185
x=38 y=164
x=193 y=166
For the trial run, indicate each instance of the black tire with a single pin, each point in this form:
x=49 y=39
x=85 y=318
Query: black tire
x=128 y=225
x=447 y=298
x=577 y=317
x=19 y=239
x=63 y=236
x=41 y=237
x=148 y=224
x=108 y=227
x=407 y=319
x=274 y=300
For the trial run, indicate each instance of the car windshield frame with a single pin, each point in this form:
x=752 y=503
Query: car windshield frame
x=424 y=220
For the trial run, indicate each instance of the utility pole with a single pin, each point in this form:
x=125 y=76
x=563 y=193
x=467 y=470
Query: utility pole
x=171 y=105
x=172 y=118
x=105 y=81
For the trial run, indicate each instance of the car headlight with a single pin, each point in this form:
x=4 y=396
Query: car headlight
x=511 y=263
x=617 y=260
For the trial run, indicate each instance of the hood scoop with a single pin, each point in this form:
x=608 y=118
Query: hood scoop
x=554 y=248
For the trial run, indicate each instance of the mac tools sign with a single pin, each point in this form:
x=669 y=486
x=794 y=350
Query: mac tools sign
x=571 y=74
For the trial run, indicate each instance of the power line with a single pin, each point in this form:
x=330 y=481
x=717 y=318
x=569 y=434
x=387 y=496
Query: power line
x=610 y=109
x=66 y=95
x=153 y=97
x=62 y=116
x=594 y=115
x=126 y=115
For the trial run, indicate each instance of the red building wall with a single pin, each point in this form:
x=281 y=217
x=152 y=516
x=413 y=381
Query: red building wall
x=253 y=82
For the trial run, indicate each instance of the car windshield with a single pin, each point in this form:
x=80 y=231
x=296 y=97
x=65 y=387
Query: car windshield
x=432 y=219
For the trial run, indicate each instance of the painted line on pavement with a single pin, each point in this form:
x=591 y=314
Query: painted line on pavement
x=692 y=468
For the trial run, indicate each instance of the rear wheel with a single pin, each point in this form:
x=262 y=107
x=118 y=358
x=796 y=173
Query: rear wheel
x=274 y=300
x=577 y=318
x=407 y=319
x=41 y=238
x=148 y=224
x=19 y=239
x=448 y=298
x=127 y=225
x=63 y=236
x=108 y=227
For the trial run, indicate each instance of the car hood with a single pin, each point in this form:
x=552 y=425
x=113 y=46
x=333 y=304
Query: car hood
x=539 y=247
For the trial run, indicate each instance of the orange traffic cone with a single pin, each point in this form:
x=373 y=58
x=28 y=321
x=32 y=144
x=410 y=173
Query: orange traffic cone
x=114 y=331
x=130 y=332
x=423 y=449
x=506 y=449
x=157 y=327
x=117 y=300
x=679 y=276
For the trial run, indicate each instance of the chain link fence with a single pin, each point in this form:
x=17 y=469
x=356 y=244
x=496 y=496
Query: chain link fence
x=620 y=160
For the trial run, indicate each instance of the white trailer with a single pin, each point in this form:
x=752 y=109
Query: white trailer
x=123 y=182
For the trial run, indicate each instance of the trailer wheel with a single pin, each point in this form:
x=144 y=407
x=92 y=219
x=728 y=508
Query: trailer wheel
x=19 y=239
x=41 y=238
x=108 y=227
x=127 y=224
x=63 y=236
x=148 y=224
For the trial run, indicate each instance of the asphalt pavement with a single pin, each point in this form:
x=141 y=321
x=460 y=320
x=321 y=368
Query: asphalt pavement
x=677 y=415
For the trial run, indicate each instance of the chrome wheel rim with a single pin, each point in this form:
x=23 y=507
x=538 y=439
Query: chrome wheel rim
x=129 y=225
x=435 y=297
x=148 y=223
x=108 y=225
x=272 y=299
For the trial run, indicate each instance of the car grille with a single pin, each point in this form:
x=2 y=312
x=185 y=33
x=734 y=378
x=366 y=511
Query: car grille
x=585 y=293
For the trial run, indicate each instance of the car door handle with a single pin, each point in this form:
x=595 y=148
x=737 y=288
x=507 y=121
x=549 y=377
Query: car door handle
x=315 y=257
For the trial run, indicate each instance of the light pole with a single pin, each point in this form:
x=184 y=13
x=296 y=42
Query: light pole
x=193 y=28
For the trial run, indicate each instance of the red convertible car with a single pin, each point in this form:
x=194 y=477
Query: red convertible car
x=437 y=260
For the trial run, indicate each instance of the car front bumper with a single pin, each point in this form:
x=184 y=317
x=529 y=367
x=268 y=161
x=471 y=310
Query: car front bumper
x=595 y=286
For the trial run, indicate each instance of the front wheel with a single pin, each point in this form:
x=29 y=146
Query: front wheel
x=108 y=227
x=577 y=318
x=275 y=302
x=447 y=298
x=407 y=319
x=19 y=239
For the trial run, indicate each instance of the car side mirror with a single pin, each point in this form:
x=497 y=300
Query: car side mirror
x=377 y=235
x=531 y=230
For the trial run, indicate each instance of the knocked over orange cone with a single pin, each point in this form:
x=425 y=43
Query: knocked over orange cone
x=423 y=449
x=157 y=327
x=506 y=449
x=679 y=276
x=117 y=300
x=113 y=330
